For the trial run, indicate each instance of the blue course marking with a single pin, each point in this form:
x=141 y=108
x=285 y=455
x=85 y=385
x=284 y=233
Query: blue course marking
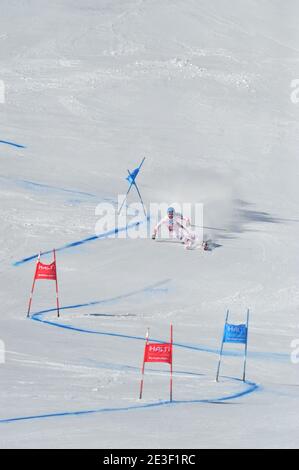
x=13 y=144
x=47 y=187
x=250 y=388
x=103 y=235
x=55 y=188
x=38 y=316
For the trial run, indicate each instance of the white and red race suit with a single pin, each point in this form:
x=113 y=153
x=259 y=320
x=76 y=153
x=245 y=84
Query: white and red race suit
x=177 y=226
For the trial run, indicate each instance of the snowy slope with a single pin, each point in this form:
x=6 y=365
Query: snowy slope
x=203 y=90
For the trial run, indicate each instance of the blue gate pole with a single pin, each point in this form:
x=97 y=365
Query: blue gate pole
x=221 y=349
x=245 y=352
x=130 y=187
x=140 y=197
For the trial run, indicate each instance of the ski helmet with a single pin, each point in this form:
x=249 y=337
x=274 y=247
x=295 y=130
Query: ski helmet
x=170 y=211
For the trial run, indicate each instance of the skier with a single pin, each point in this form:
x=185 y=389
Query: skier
x=177 y=225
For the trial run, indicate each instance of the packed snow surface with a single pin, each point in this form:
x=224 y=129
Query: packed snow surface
x=202 y=89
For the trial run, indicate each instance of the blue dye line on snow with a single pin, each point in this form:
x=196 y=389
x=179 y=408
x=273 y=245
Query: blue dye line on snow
x=38 y=316
x=103 y=235
x=56 y=188
x=230 y=353
x=250 y=388
x=13 y=144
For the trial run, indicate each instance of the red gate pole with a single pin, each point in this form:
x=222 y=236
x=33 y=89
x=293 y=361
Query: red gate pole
x=143 y=365
x=32 y=288
x=171 y=342
x=56 y=282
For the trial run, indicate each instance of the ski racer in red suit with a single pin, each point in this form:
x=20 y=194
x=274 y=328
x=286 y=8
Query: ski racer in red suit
x=178 y=227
